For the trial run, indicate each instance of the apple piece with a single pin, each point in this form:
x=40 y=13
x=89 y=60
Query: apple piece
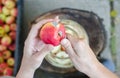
x=52 y=33
x=12 y=47
x=2 y=32
x=6 y=28
x=10 y=4
x=5 y=11
x=6 y=40
x=7 y=54
x=14 y=12
x=2 y=17
x=13 y=27
x=1 y=59
x=2 y=48
x=12 y=34
x=8 y=71
x=10 y=61
x=10 y=19
x=3 y=66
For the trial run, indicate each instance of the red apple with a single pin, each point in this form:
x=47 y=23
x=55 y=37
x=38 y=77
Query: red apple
x=10 y=61
x=12 y=34
x=2 y=48
x=3 y=1
x=6 y=54
x=5 y=11
x=6 y=40
x=14 y=12
x=8 y=71
x=13 y=27
x=52 y=33
x=10 y=4
x=10 y=19
x=0 y=9
x=2 y=32
x=3 y=66
x=12 y=47
x=1 y=22
x=2 y=17
x=6 y=28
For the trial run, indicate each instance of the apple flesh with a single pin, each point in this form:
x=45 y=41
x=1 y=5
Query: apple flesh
x=52 y=33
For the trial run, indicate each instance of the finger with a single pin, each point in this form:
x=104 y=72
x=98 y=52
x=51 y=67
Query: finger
x=77 y=44
x=35 y=28
x=68 y=48
x=41 y=54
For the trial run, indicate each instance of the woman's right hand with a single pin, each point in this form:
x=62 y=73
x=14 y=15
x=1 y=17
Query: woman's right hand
x=84 y=58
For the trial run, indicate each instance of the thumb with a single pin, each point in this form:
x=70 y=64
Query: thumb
x=68 y=47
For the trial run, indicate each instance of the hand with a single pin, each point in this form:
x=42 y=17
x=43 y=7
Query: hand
x=79 y=52
x=34 y=51
x=84 y=59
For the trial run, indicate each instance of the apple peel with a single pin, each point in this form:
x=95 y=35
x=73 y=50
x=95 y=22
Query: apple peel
x=52 y=33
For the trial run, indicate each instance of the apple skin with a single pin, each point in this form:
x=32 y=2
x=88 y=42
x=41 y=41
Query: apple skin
x=5 y=11
x=1 y=59
x=12 y=47
x=0 y=9
x=14 y=12
x=52 y=33
x=2 y=32
x=2 y=48
x=6 y=40
x=3 y=1
x=10 y=61
x=3 y=17
x=8 y=71
x=10 y=19
x=3 y=66
x=10 y=4
x=6 y=28
x=1 y=22
x=13 y=27
x=12 y=34
x=7 y=54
